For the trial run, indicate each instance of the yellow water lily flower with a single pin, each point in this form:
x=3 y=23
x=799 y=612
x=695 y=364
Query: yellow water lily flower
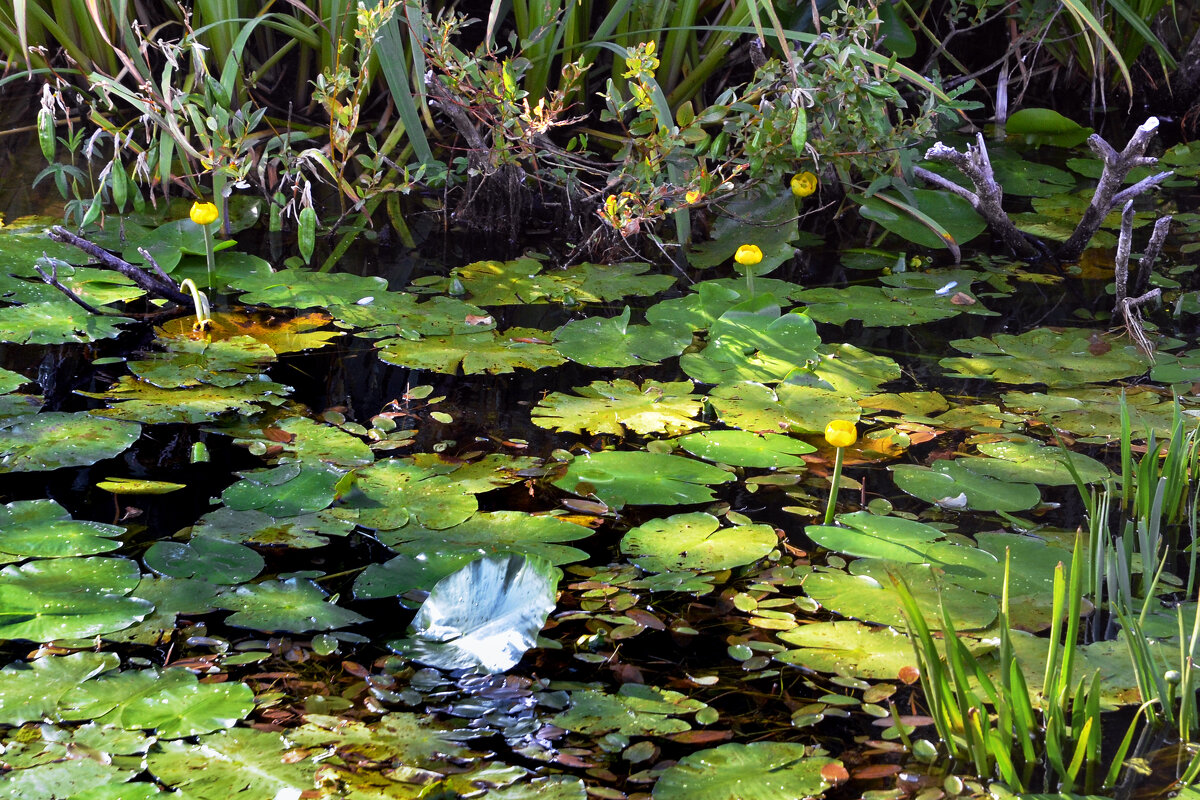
x=203 y=213
x=841 y=433
x=804 y=184
x=748 y=255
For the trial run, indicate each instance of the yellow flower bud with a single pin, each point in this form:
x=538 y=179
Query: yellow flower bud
x=748 y=255
x=841 y=433
x=804 y=184
x=203 y=213
x=692 y=196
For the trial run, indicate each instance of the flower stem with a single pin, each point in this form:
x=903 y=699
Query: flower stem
x=208 y=252
x=833 y=490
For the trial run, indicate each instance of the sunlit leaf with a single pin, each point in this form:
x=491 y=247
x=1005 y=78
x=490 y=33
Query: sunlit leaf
x=239 y=761
x=489 y=351
x=635 y=710
x=746 y=449
x=619 y=478
x=69 y=598
x=613 y=342
x=292 y=605
x=132 y=399
x=59 y=439
x=757 y=771
x=1055 y=357
x=43 y=528
x=696 y=541
x=615 y=406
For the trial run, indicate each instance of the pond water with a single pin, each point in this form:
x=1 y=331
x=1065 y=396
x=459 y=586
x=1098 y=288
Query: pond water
x=602 y=483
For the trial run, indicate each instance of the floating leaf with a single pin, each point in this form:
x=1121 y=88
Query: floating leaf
x=45 y=529
x=172 y=702
x=1033 y=462
x=614 y=406
x=881 y=306
x=753 y=341
x=952 y=215
x=696 y=541
x=294 y=605
x=635 y=710
x=788 y=408
x=641 y=478
x=241 y=761
x=304 y=439
x=951 y=485
x=757 y=771
x=485 y=616
x=746 y=449
x=57 y=321
x=31 y=692
x=189 y=362
x=206 y=558
x=58 y=439
x=491 y=533
x=849 y=648
x=407 y=316
x=391 y=492
x=258 y=528
x=281 y=333
x=138 y=486
x=69 y=598
x=1053 y=356
x=302 y=288
x=613 y=342
x=490 y=352
x=285 y=491
x=406 y=738
x=132 y=399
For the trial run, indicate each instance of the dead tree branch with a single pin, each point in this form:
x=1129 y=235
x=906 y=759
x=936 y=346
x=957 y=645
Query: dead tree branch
x=988 y=196
x=153 y=284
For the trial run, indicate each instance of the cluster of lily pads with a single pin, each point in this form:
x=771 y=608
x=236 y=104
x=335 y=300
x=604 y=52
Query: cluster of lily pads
x=338 y=621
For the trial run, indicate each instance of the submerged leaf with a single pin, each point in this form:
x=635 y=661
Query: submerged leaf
x=485 y=616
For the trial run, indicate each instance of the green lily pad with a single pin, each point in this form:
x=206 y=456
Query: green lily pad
x=285 y=491
x=391 y=492
x=849 y=648
x=206 y=558
x=853 y=371
x=171 y=597
x=787 y=408
x=1053 y=356
x=10 y=380
x=1033 y=462
x=489 y=351
x=405 y=573
x=56 y=439
x=57 y=321
x=869 y=595
x=407 y=316
x=62 y=777
x=492 y=533
x=613 y=342
x=254 y=527
x=294 y=605
x=1045 y=126
x=522 y=281
x=696 y=541
x=869 y=536
x=635 y=710
x=615 y=406
x=43 y=528
x=951 y=485
x=773 y=229
x=640 y=478
x=69 y=598
x=746 y=449
x=952 y=212
x=406 y=738
x=699 y=309
x=139 y=401
x=756 y=771
x=172 y=702
x=752 y=341
x=238 y=761
x=302 y=288
x=189 y=362
x=485 y=616
x=30 y=692
x=304 y=439
x=882 y=306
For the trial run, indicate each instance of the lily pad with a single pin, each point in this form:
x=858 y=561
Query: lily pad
x=294 y=605
x=490 y=352
x=302 y=288
x=1053 y=356
x=492 y=533
x=254 y=527
x=56 y=439
x=641 y=478
x=1032 y=462
x=238 y=761
x=30 y=692
x=408 y=316
x=304 y=439
x=485 y=616
x=285 y=491
x=57 y=321
x=172 y=702
x=951 y=485
x=788 y=408
x=206 y=558
x=616 y=406
x=881 y=306
x=613 y=342
x=635 y=710
x=139 y=401
x=849 y=648
x=43 y=528
x=746 y=449
x=753 y=341
x=189 y=362
x=756 y=771
x=390 y=492
x=696 y=541
x=69 y=598
x=281 y=333
x=952 y=212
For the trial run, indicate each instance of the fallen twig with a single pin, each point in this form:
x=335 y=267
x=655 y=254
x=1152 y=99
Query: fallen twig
x=162 y=287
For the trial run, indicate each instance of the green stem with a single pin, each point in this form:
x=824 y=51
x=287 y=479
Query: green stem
x=833 y=490
x=208 y=253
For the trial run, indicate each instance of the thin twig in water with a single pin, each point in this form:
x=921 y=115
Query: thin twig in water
x=53 y=280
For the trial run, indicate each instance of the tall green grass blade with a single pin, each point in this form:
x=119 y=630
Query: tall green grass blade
x=1088 y=22
x=393 y=61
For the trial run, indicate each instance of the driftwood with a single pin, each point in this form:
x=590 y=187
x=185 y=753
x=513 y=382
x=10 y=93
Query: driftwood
x=1130 y=307
x=158 y=285
x=988 y=195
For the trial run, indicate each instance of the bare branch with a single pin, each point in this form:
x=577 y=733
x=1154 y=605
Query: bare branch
x=150 y=283
x=53 y=280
